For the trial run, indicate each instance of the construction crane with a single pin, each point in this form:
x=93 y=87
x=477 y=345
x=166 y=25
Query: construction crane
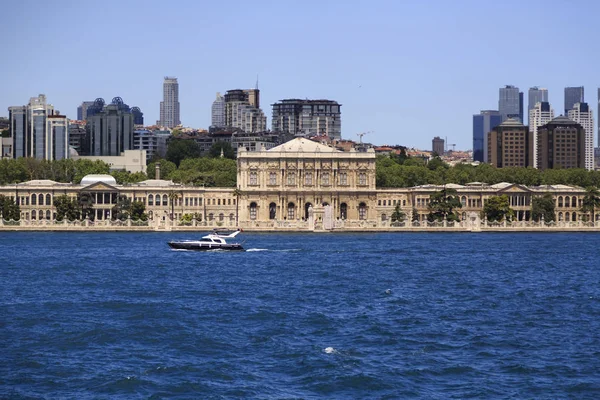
x=360 y=135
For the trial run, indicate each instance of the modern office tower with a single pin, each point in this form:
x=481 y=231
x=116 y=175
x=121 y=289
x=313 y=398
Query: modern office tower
x=483 y=123
x=138 y=116
x=169 y=107
x=307 y=118
x=510 y=144
x=573 y=95
x=584 y=116
x=77 y=136
x=110 y=131
x=239 y=113
x=82 y=110
x=561 y=144
x=540 y=115
x=217 y=118
x=534 y=96
x=437 y=145
x=510 y=103
x=38 y=130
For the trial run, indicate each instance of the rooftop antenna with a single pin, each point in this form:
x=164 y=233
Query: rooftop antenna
x=256 y=81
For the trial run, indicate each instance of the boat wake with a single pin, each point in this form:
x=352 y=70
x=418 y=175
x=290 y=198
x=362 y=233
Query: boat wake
x=280 y=250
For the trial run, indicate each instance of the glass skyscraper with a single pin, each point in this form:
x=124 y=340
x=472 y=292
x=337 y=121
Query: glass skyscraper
x=534 y=96
x=573 y=95
x=510 y=103
x=483 y=123
x=169 y=107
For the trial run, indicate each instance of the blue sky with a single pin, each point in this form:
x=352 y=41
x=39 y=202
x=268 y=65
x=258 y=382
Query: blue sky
x=404 y=70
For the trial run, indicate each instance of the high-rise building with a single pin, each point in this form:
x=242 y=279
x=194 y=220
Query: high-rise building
x=539 y=115
x=307 y=118
x=437 y=145
x=534 y=96
x=82 y=110
x=598 y=117
x=217 y=117
x=573 y=95
x=239 y=113
x=510 y=144
x=510 y=103
x=38 y=130
x=138 y=116
x=561 y=144
x=483 y=123
x=110 y=131
x=169 y=107
x=77 y=136
x=584 y=116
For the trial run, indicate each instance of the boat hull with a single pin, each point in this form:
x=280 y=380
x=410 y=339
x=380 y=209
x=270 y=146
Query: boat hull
x=196 y=246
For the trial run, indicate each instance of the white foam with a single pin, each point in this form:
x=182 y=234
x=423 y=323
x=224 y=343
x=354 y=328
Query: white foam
x=329 y=350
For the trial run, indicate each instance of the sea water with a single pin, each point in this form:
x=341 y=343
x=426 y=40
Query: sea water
x=300 y=316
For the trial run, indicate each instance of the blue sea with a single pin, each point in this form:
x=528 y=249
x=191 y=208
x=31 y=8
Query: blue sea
x=300 y=316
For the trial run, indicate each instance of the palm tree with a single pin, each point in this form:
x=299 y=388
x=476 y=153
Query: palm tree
x=591 y=201
x=237 y=193
x=85 y=200
x=173 y=196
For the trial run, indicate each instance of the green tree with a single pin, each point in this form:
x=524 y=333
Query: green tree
x=167 y=168
x=415 y=215
x=591 y=202
x=122 y=209
x=85 y=167
x=543 y=206
x=173 y=196
x=138 y=211
x=216 y=148
x=435 y=163
x=6 y=133
x=398 y=215
x=9 y=209
x=66 y=207
x=85 y=201
x=180 y=149
x=497 y=208
x=443 y=205
x=127 y=177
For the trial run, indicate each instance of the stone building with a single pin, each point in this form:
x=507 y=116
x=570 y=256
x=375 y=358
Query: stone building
x=299 y=185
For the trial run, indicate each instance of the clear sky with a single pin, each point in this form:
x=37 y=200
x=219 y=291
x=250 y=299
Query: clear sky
x=404 y=70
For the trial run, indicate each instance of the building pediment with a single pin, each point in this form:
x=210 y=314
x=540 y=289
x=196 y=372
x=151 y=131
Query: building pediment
x=514 y=188
x=100 y=187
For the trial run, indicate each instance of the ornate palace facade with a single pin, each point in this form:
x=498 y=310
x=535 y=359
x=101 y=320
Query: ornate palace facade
x=300 y=184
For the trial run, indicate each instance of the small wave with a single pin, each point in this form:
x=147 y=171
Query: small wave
x=257 y=250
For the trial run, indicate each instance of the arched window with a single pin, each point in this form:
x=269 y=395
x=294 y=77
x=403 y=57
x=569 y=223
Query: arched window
x=48 y=214
x=325 y=204
x=48 y=200
x=211 y=216
x=567 y=216
x=291 y=178
x=291 y=211
x=221 y=217
x=253 y=178
x=150 y=213
x=272 y=210
x=325 y=178
x=344 y=211
x=560 y=201
x=464 y=216
x=33 y=214
x=362 y=211
x=33 y=199
x=403 y=203
x=165 y=200
x=560 y=216
x=40 y=214
x=362 y=178
x=306 y=207
x=463 y=201
x=253 y=211
x=308 y=179
x=383 y=217
x=574 y=218
x=567 y=201
x=574 y=201
x=41 y=199
x=150 y=200
x=232 y=217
